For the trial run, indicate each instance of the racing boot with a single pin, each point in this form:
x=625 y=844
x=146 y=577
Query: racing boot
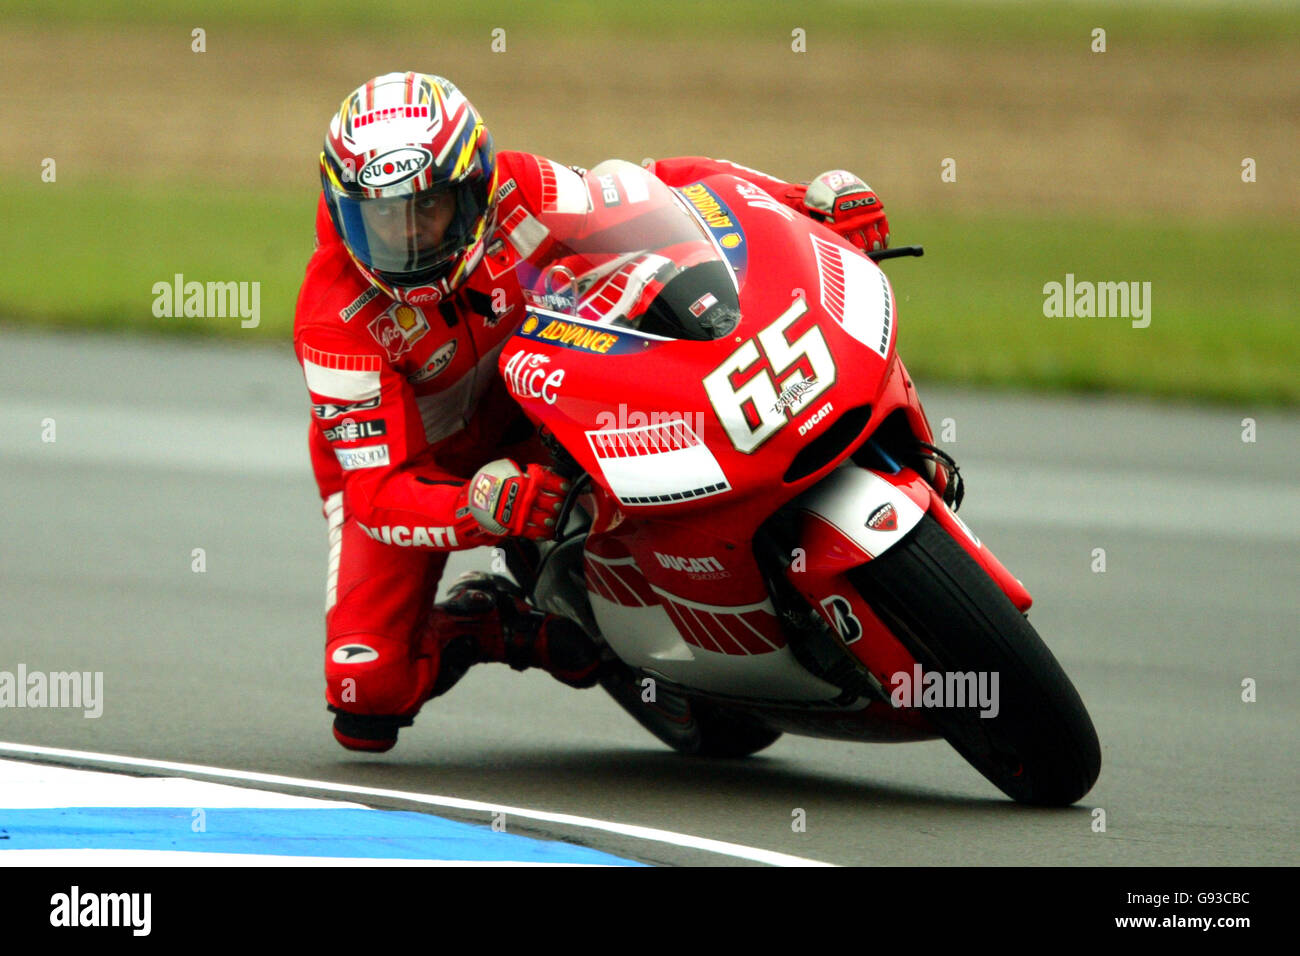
x=486 y=618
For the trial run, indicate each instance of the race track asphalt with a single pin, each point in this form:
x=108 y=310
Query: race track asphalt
x=164 y=447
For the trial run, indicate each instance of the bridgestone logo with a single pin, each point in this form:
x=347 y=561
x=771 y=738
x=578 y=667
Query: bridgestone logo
x=358 y=304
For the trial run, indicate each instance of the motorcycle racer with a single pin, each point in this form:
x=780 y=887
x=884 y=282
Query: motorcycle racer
x=406 y=304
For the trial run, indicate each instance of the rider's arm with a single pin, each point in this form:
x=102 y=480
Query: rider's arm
x=367 y=428
x=682 y=170
x=837 y=199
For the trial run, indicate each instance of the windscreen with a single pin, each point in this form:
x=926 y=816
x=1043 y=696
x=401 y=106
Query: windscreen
x=637 y=258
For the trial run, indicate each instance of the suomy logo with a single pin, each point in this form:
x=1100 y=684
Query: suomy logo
x=394 y=166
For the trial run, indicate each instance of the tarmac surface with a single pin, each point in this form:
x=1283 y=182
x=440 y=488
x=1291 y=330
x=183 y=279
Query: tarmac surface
x=164 y=447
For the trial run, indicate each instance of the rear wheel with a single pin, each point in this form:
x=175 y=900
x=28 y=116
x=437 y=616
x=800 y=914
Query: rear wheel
x=1040 y=747
x=687 y=724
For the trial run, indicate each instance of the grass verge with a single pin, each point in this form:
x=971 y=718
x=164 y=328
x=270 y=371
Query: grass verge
x=1066 y=21
x=1222 y=321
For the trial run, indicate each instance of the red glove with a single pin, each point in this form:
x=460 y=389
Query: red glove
x=846 y=204
x=506 y=501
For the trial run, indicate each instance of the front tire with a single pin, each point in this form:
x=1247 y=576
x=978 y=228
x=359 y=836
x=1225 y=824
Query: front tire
x=1041 y=747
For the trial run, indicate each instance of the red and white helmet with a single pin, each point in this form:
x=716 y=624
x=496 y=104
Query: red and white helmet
x=409 y=176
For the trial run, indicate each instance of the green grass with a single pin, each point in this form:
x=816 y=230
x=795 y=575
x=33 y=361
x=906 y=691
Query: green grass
x=88 y=256
x=1222 y=321
x=1218 y=21
x=1222 y=312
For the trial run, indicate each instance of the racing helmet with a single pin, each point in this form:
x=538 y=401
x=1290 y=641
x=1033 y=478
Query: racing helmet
x=409 y=176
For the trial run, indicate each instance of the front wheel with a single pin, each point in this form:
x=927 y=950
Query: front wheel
x=1040 y=747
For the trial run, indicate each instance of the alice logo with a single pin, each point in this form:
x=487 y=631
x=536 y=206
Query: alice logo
x=208 y=300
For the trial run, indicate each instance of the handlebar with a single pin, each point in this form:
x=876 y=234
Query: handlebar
x=895 y=253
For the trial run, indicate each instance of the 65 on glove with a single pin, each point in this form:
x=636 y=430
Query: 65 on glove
x=844 y=203
x=522 y=504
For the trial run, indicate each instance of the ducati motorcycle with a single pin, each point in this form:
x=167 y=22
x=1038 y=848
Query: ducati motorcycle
x=760 y=527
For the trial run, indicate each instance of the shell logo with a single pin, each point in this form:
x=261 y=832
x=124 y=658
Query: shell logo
x=406 y=317
x=530 y=324
x=730 y=240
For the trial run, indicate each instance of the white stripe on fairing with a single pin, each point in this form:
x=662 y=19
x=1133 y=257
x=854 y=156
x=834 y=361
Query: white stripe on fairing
x=637 y=278
x=610 y=561
x=334 y=515
x=761 y=636
x=336 y=383
x=570 y=190
x=716 y=608
x=662 y=473
x=864 y=294
x=651 y=834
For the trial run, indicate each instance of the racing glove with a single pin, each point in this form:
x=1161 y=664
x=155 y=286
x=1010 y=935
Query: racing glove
x=845 y=204
x=507 y=501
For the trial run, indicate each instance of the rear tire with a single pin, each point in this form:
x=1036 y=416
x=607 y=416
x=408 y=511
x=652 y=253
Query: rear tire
x=689 y=725
x=1041 y=747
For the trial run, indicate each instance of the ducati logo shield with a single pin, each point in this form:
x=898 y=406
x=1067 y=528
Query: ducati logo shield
x=395 y=166
x=884 y=518
x=354 y=654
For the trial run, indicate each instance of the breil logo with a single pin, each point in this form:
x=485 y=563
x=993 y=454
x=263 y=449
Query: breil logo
x=394 y=166
x=348 y=430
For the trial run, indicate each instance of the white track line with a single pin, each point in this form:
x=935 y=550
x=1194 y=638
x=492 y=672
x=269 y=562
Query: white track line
x=625 y=829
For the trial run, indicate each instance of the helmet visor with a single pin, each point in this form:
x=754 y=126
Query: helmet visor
x=415 y=238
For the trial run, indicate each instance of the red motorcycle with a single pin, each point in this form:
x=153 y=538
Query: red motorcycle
x=760 y=526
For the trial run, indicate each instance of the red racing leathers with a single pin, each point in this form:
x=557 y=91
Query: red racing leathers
x=406 y=405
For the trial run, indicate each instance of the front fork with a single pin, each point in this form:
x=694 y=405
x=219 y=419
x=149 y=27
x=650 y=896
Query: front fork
x=847 y=520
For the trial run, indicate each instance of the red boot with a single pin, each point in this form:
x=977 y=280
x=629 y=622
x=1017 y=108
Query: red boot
x=492 y=611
